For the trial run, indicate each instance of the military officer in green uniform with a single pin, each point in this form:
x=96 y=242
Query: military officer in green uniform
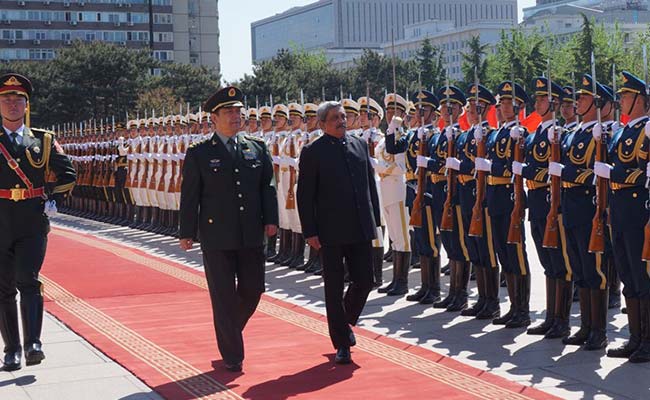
x=228 y=194
x=26 y=158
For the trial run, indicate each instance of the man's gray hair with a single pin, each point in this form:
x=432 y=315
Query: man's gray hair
x=325 y=107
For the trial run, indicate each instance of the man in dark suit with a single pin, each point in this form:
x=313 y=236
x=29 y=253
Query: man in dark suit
x=339 y=213
x=228 y=194
x=26 y=158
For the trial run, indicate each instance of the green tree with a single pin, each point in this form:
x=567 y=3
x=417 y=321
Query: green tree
x=474 y=60
x=429 y=60
x=194 y=84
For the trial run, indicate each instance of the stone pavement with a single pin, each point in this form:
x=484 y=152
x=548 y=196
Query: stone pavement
x=75 y=370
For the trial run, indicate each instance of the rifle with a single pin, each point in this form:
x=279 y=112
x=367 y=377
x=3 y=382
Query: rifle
x=645 y=254
x=290 y=204
x=597 y=236
x=447 y=220
x=478 y=215
x=418 y=202
x=551 y=232
x=517 y=215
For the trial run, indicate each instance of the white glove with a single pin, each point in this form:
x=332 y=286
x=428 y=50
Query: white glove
x=602 y=169
x=449 y=132
x=452 y=163
x=647 y=129
x=394 y=125
x=555 y=168
x=483 y=164
x=375 y=162
x=478 y=133
x=50 y=208
x=517 y=167
x=422 y=132
x=597 y=132
x=551 y=135
x=516 y=132
x=423 y=162
x=276 y=160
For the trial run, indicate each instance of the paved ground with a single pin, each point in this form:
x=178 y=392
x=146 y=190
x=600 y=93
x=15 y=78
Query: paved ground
x=75 y=370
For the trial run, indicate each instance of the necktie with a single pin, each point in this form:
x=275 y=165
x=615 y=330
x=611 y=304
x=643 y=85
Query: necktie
x=232 y=147
x=14 y=140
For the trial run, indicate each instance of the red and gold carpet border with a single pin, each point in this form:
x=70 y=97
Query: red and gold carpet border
x=468 y=383
x=188 y=378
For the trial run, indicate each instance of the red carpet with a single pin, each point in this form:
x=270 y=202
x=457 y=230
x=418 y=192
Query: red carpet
x=153 y=317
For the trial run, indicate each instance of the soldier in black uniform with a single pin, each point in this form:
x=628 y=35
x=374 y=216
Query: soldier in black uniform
x=26 y=158
x=228 y=194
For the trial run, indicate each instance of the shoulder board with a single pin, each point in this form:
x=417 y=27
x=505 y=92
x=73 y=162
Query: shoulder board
x=193 y=145
x=254 y=138
x=42 y=131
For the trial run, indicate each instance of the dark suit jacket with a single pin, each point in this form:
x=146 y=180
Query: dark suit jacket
x=228 y=199
x=38 y=152
x=337 y=194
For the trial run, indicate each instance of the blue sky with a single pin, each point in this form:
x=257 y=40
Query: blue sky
x=235 y=17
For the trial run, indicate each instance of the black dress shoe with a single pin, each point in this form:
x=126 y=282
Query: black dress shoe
x=34 y=354
x=234 y=367
x=343 y=356
x=353 y=339
x=12 y=361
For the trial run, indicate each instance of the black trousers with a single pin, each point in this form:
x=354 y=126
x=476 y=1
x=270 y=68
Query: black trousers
x=552 y=260
x=344 y=310
x=628 y=246
x=236 y=283
x=588 y=271
x=20 y=263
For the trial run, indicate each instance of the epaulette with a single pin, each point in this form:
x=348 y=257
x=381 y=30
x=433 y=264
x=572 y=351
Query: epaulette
x=193 y=145
x=42 y=131
x=638 y=125
x=254 y=138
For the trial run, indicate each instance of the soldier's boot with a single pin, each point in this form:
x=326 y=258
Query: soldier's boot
x=282 y=248
x=10 y=336
x=153 y=221
x=473 y=311
x=446 y=269
x=463 y=269
x=614 y=286
x=286 y=260
x=414 y=261
x=433 y=294
x=271 y=243
x=388 y=256
x=634 y=326
x=135 y=216
x=299 y=250
x=444 y=303
x=542 y=328
x=385 y=289
x=597 y=338
x=579 y=338
x=521 y=319
x=378 y=266
x=177 y=220
x=563 y=303
x=157 y=225
x=317 y=266
x=310 y=260
x=402 y=261
x=171 y=223
x=425 y=270
x=31 y=310
x=491 y=309
x=142 y=217
x=512 y=297
x=642 y=353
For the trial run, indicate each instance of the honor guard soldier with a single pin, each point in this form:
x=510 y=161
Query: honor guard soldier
x=352 y=110
x=370 y=117
x=400 y=142
x=578 y=209
x=626 y=170
x=228 y=194
x=426 y=237
x=534 y=169
x=27 y=156
x=500 y=203
x=310 y=135
x=470 y=186
x=252 y=127
x=568 y=109
x=266 y=132
x=442 y=186
x=281 y=121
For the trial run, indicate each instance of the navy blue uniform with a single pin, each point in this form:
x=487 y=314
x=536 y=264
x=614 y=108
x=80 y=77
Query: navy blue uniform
x=499 y=195
x=578 y=207
x=538 y=153
x=628 y=153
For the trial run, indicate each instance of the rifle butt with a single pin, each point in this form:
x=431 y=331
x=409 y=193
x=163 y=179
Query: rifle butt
x=551 y=232
x=597 y=236
x=447 y=221
x=477 y=222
